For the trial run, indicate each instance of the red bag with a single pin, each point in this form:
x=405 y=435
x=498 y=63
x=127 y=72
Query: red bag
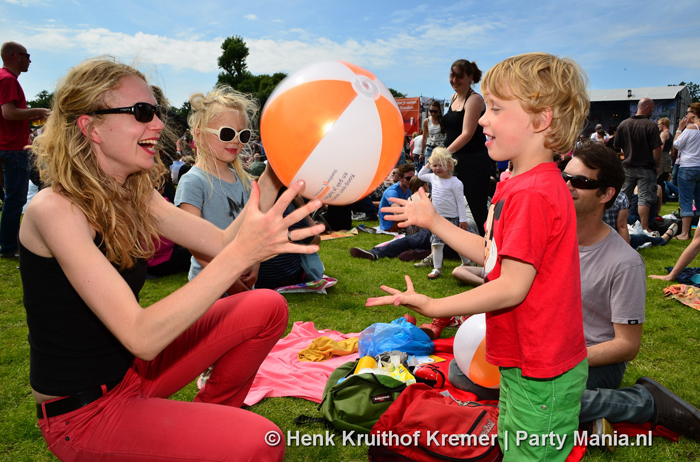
x=423 y=425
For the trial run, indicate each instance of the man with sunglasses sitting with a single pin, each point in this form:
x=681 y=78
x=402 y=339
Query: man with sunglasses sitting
x=613 y=291
x=399 y=189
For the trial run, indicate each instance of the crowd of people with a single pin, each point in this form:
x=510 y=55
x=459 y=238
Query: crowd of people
x=108 y=214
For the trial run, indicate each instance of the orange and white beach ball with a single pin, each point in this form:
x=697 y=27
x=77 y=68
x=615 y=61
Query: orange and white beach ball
x=336 y=126
x=470 y=353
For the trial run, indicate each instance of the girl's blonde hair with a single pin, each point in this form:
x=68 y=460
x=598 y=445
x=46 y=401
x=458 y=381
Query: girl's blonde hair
x=442 y=157
x=119 y=213
x=204 y=109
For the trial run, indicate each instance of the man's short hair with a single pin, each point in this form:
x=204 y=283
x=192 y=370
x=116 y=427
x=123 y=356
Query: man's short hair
x=541 y=81
x=609 y=166
x=405 y=168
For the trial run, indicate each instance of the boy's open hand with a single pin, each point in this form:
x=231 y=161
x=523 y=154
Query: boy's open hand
x=409 y=298
x=419 y=211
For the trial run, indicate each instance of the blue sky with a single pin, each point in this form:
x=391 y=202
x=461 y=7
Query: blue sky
x=409 y=45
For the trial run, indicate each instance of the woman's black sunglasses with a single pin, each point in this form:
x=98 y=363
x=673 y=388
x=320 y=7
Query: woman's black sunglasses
x=581 y=182
x=228 y=134
x=143 y=112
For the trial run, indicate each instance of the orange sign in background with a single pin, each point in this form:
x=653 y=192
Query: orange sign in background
x=410 y=112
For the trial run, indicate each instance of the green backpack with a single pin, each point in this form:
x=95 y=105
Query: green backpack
x=356 y=403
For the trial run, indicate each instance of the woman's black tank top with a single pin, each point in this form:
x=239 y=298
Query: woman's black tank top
x=70 y=348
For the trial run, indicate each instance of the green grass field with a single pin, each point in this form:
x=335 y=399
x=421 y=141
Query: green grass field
x=669 y=346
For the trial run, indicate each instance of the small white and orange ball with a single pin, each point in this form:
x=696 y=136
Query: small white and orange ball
x=470 y=353
x=336 y=126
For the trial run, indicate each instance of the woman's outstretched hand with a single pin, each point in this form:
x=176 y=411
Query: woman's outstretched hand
x=263 y=235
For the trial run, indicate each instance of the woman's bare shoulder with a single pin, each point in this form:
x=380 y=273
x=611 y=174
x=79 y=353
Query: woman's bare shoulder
x=51 y=214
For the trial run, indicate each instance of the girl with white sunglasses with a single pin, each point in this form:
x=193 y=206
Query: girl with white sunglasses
x=217 y=187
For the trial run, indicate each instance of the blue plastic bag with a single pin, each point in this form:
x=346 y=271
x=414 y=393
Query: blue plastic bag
x=398 y=335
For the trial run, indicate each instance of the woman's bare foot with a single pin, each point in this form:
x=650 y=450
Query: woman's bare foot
x=682 y=237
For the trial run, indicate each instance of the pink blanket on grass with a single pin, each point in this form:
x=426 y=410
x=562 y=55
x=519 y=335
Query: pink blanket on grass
x=282 y=374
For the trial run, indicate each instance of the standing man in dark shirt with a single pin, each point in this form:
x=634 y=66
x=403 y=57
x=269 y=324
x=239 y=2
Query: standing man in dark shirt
x=640 y=141
x=14 y=137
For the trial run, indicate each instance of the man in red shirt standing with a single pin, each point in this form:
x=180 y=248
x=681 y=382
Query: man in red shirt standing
x=14 y=138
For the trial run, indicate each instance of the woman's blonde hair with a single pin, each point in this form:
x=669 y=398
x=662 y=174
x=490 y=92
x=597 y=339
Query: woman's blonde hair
x=665 y=121
x=442 y=157
x=119 y=213
x=204 y=109
x=541 y=81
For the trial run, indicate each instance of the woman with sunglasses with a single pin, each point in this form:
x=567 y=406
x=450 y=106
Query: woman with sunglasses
x=465 y=138
x=217 y=187
x=101 y=365
x=433 y=133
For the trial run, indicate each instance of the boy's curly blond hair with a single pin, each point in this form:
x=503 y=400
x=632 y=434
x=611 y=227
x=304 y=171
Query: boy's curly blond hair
x=541 y=81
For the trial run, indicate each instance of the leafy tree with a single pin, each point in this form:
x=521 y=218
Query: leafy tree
x=184 y=110
x=43 y=99
x=232 y=60
x=236 y=75
x=693 y=88
x=397 y=94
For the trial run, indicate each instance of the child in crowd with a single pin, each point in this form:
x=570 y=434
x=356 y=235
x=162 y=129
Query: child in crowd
x=448 y=200
x=536 y=106
x=217 y=187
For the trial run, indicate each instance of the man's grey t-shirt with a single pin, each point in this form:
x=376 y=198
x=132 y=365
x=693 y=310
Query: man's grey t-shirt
x=613 y=287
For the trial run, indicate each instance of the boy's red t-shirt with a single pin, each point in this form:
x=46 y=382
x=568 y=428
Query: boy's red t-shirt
x=532 y=219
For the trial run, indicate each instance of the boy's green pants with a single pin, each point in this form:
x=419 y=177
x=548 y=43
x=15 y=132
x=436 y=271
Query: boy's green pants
x=538 y=417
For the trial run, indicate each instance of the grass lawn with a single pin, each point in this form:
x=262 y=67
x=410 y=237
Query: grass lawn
x=669 y=350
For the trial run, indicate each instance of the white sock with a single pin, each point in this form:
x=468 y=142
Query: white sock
x=437 y=255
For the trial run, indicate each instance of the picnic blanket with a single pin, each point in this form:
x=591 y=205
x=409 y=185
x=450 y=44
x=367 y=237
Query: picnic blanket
x=375 y=230
x=339 y=234
x=282 y=374
x=688 y=295
x=316 y=287
x=689 y=276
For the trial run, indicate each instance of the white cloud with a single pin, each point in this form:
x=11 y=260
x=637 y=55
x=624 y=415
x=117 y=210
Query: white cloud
x=251 y=17
x=199 y=55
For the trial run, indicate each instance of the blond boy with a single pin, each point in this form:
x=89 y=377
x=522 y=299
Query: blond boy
x=536 y=106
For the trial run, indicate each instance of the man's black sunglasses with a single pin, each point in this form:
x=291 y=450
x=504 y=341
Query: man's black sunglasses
x=581 y=182
x=143 y=112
